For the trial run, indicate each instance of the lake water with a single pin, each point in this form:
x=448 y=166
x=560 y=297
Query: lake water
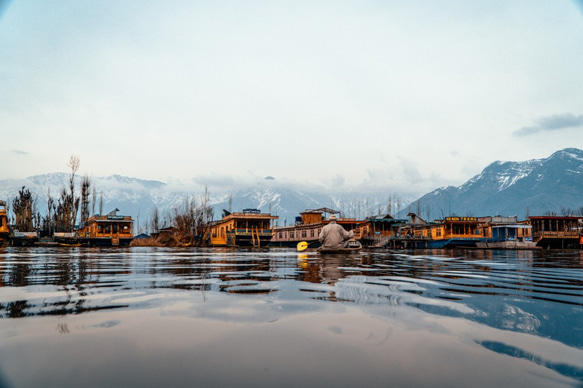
x=150 y=317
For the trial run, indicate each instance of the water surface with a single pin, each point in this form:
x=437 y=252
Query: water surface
x=166 y=317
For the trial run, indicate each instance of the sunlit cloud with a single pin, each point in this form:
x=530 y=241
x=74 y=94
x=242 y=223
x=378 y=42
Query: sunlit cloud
x=552 y=123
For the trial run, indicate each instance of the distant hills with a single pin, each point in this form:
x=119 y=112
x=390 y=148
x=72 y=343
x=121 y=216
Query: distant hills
x=532 y=187
x=139 y=198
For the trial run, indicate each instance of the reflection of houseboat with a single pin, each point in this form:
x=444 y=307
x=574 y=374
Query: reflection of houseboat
x=307 y=228
x=249 y=228
x=4 y=230
x=505 y=233
x=107 y=230
x=452 y=232
x=556 y=232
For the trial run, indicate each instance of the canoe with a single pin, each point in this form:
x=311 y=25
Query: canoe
x=353 y=246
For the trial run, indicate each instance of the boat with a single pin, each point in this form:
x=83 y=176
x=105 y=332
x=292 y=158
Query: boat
x=508 y=236
x=352 y=246
x=557 y=232
x=249 y=228
x=4 y=229
x=451 y=232
x=23 y=239
x=307 y=228
x=378 y=231
x=70 y=245
x=106 y=230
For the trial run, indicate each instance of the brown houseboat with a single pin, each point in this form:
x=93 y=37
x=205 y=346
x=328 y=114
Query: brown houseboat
x=249 y=228
x=4 y=229
x=557 y=232
x=378 y=231
x=307 y=228
x=107 y=230
x=451 y=232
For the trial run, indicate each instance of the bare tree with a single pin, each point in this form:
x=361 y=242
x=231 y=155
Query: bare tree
x=155 y=220
x=85 y=190
x=24 y=208
x=94 y=200
x=68 y=204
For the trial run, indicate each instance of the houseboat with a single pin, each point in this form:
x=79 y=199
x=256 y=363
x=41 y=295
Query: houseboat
x=107 y=230
x=249 y=228
x=307 y=228
x=378 y=231
x=451 y=232
x=4 y=229
x=505 y=233
x=557 y=232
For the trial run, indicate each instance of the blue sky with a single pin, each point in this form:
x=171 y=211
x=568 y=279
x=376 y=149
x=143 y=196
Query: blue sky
x=380 y=94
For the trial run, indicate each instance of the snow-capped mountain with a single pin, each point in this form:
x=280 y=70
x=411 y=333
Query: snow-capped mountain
x=533 y=187
x=139 y=198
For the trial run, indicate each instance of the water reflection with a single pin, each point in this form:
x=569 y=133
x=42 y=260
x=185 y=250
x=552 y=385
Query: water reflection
x=535 y=295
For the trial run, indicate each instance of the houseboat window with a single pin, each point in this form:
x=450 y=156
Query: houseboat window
x=280 y=234
x=312 y=233
x=304 y=234
x=291 y=235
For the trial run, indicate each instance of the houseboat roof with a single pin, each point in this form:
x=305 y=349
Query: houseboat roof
x=566 y=218
x=517 y=226
x=108 y=218
x=322 y=210
x=245 y=215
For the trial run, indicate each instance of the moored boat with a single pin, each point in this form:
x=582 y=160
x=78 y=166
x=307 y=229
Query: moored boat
x=451 y=232
x=249 y=228
x=308 y=227
x=107 y=230
x=4 y=229
x=557 y=232
x=508 y=236
x=352 y=246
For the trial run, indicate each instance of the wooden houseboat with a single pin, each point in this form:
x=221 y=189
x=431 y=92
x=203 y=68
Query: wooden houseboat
x=307 y=228
x=451 y=232
x=23 y=239
x=4 y=229
x=378 y=231
x=557 y=232
x=505 y=233
x=249 y=228
x=108 y=230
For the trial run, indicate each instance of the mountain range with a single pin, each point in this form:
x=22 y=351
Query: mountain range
x=533 y=187
x=552 y=185
x=138 y=198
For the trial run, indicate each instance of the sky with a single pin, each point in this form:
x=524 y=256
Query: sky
x=382 y=95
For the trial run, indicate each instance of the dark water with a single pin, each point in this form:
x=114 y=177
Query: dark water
x=152 y=317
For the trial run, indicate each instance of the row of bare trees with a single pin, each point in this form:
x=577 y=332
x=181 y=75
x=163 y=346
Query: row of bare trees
x=62 y=213
x=187 y=224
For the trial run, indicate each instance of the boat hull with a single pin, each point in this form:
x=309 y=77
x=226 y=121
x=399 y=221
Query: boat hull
x=327 y=251
x=507 y=245
x=352 y=246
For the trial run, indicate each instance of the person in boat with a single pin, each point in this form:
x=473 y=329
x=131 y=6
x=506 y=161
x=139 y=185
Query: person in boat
x=334 y=236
